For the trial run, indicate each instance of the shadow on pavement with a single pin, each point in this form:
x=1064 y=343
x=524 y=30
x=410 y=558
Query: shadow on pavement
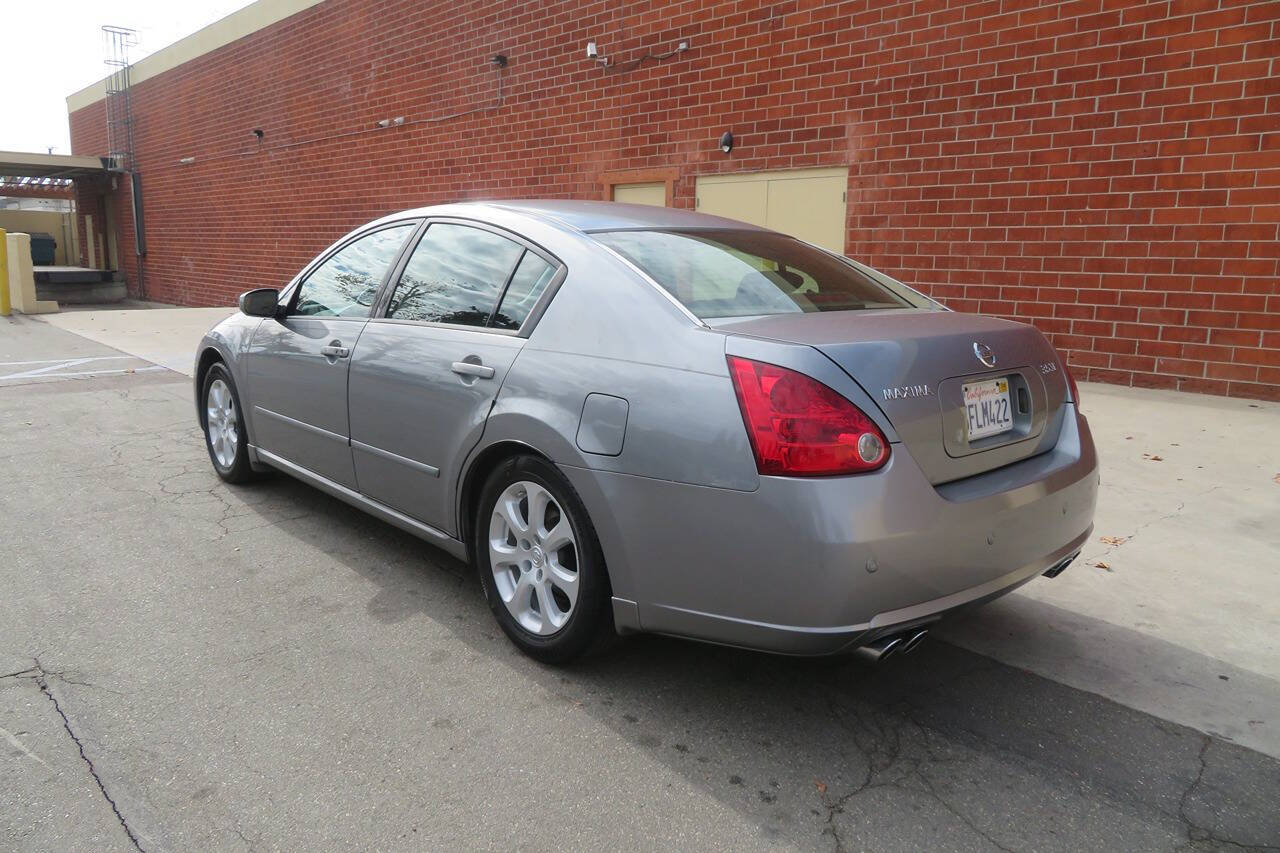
x=944 y=748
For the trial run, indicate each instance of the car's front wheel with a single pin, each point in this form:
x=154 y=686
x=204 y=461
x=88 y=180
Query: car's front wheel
x=223 y=422
x=540 y=561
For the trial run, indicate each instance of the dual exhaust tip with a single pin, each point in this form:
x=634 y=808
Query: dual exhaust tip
x=900 y=644
x=895 y=644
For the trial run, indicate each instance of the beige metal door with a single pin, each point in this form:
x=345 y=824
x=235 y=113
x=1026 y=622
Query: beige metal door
x=650 y=193
x=806 y=203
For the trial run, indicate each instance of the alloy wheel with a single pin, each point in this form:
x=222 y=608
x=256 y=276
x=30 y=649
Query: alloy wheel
x=222 y=423
x=534 y=557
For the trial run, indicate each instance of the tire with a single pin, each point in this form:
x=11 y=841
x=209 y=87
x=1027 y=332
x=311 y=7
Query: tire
x=224 y=435
x=550 y=594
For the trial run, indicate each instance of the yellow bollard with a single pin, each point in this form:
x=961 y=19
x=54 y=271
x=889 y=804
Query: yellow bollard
x=5 y=308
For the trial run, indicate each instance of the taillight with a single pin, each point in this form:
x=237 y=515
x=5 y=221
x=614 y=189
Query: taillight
x=800 y=427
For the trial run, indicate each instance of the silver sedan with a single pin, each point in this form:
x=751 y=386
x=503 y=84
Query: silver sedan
x=640 y=419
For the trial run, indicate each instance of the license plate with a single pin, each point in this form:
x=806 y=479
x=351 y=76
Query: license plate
x=986 y=408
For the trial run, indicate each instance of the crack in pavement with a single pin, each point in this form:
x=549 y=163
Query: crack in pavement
x=1196 y=834
x=896 y=744
x=41 y=677
x=1195 y=783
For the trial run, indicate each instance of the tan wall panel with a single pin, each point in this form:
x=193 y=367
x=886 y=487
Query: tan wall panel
x=745 y=201
x=806 y=203
x=812 y=209
x=650 y=193
x=46 y=221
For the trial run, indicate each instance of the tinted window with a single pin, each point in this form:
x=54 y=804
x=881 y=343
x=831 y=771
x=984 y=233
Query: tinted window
x=455 y=275
x=530 y=280
x=345 y=285
x=747 y=273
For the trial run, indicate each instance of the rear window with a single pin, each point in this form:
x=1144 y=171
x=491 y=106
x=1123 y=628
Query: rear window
x=749 y=273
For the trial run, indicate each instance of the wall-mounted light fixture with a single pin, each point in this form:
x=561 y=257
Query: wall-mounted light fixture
x=391 y=122
x=726 y=142
x=186 y=161
x=257 y=131
x=498 y=60
x=593 y=52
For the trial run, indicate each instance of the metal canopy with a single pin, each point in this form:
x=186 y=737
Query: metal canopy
x=26 y=164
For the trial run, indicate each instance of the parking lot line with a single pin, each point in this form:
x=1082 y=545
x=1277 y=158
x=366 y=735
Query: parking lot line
x=18 y=364
x=53 y=377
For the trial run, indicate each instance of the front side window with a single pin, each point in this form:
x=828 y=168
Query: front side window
x=726 y=273
x=346 y=284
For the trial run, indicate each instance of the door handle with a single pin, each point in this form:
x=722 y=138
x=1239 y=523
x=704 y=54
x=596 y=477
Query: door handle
x=469 y=368
x=334 y=349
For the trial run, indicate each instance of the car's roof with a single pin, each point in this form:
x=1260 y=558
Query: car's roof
x=587 y=216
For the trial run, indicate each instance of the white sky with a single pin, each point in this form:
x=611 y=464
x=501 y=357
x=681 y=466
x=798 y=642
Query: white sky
x=54 y=48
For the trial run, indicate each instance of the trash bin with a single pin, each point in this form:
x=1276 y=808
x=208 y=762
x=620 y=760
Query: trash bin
x=42 y=249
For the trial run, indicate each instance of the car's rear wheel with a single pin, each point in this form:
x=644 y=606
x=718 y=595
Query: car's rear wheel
x=540 y=561
x=224 y=434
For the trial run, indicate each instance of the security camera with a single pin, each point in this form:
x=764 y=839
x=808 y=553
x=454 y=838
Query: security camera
x=592 y=52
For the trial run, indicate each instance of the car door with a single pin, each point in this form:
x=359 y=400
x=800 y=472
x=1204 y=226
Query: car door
x=426 y=372
x=298 y=362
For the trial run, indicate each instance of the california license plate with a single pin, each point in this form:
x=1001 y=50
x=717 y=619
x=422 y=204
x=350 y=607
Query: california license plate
x=986 y=407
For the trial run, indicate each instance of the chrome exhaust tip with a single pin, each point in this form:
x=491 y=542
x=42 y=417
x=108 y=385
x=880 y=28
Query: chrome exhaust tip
x=913 y=641
x=878 y=650
x=896 y=644
x=1060 y=566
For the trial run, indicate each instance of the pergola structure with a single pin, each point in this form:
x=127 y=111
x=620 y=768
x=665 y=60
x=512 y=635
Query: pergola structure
x=84 y=180
x=32 y=175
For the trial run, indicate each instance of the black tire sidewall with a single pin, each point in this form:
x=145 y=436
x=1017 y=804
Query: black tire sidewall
x=591 y=616
x=239 y=470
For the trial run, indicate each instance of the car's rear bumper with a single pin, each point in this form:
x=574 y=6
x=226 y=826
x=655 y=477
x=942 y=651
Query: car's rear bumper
x=816 y=566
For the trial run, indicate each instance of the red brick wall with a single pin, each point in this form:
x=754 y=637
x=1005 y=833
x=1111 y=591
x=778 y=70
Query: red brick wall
x=1107 y=171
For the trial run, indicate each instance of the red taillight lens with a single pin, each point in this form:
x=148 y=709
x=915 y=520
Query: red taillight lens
x=800 y=427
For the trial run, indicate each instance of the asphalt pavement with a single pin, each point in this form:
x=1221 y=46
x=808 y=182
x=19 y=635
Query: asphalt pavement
x=186 y=665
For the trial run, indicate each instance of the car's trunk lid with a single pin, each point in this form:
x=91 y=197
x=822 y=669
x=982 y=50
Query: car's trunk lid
x=914 y=363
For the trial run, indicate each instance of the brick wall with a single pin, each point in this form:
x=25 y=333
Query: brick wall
x=1107 y=171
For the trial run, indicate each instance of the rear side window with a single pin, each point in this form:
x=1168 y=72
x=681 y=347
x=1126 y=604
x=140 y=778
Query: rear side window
x=347 y=282
x=523 y=292
x=455 y=275
x=727 y=273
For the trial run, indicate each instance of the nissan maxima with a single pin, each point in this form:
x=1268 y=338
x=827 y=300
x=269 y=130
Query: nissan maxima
x=632 y=419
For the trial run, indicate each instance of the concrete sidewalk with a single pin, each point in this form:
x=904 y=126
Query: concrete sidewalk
x=1174 y=606
x=165 y=336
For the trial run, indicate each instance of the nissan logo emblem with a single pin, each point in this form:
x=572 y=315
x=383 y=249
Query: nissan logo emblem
x=984 y=354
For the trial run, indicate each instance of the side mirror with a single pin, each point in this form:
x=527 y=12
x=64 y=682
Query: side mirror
x=263 y=302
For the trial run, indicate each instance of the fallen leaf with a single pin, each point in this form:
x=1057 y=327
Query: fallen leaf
x=1276 y=478
x=822 y=787
x=1102 y=565
x=1128 y=438
x=1112 y=540
x=1157 y=459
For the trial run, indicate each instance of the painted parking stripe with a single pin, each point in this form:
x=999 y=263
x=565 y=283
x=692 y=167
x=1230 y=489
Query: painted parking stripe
x=65 y=359
x=75 y=362
x=54 y=377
